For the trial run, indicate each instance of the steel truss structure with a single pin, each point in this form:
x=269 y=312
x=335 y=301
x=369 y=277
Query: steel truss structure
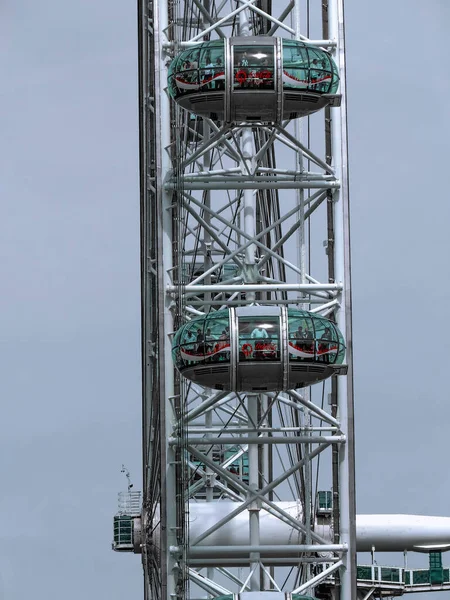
x=242 y=214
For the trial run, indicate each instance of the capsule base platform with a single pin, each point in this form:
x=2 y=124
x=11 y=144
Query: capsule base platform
x=260 y=376
x=256 y=107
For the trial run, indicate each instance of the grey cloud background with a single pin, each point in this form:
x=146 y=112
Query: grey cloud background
x=69 y=308
x=399 y=128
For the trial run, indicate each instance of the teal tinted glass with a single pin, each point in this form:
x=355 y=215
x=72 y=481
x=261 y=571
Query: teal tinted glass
x=301 y=342
x=198 y=68
x=217 y=335
x=259 y=338
x=202 y=340
x=390 y=574
x=314 y=338
x=435 y=559
x=239 y=466
x=311 y=337
x=253 y=67
x=309 y=68
x=364 y=573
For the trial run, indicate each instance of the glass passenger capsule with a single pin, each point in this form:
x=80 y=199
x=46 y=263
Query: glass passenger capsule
x=254 y=79
x=258 y=348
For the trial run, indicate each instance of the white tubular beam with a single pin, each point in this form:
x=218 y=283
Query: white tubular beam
x=211 y=142
x=318 y=578
x=319 y=43
x=287 y=550
x=314 y=409
x=253 y=567
x=249 y=227
x=233 y=577
x=211 y=587
x=237 y=175
x=250 y=287
x=236 y=562
x=261 y=439
x=214 y=400
x=221 y=21
x=343 y=314
x=249 y=217
x=253 y=509
x=258 y=183
x=207 y=17
x=229 y=430
x=273 y=19
x=228 y=493
x=169 y=574
x=307 y=152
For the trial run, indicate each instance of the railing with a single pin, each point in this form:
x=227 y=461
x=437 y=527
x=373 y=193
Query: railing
x=129 y=503
x=400 y=575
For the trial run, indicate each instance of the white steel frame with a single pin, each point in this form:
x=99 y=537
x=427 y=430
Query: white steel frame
x=203 y=197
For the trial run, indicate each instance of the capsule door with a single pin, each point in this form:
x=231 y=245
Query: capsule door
x=253 y=85
x=259 y=352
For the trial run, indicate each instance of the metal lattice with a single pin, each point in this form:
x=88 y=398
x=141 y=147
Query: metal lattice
x=237 y=214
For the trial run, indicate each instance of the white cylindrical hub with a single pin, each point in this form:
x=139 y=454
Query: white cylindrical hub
x=387 y=533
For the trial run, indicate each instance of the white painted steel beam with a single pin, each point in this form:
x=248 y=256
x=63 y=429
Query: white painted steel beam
x=260 y=439
x=259 y=287
x=318 y=578
x=262 y=183
x=347 y=516
x=239 y=562
x=267 y=549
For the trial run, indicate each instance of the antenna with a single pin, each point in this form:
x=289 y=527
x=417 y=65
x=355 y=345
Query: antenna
x=127 y=475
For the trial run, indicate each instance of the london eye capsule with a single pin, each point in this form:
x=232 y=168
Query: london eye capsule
x=258 y=348
x=257 y=78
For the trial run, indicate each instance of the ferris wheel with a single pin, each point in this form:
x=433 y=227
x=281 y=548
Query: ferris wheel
x=248 y=451
x=248 y=410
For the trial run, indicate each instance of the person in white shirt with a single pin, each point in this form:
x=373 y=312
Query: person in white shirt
x=244 y=60
x=259 y=333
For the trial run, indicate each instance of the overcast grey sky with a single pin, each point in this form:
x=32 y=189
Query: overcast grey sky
x=69 y=242
x=70 y=306
x=399 y=129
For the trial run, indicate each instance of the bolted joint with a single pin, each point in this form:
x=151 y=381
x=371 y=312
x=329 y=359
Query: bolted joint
x=209 y=479
x=175 y=551
x=255 y=505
